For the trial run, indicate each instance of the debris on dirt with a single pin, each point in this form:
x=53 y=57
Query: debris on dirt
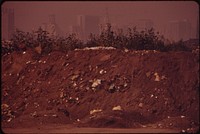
x=95 y=111
x=96 y=82
x=116 y=108
x=182 y=116
x=148 y=87
x=140 y=105
x=157 y=77
x=34 y=114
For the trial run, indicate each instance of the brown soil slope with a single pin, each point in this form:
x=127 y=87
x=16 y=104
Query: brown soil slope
x=83 y=87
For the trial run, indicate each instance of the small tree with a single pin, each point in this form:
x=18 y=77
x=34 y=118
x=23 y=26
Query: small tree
x=44 y=40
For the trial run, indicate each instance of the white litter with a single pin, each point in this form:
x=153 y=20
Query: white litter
x=117 y=108
x=157 y=77
x=96 y=48
x=140 y=105
x=96 y=82
x=101 y=71
x=182 y=116
x=95 y=111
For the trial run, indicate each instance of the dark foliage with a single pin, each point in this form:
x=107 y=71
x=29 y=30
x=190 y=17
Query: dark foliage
x=133 y=39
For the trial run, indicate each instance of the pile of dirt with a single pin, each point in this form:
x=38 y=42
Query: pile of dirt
x=101 y=88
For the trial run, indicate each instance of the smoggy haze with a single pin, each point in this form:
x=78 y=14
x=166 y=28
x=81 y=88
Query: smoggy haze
x=30 y=15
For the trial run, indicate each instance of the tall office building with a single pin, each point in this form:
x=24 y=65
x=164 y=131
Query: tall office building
x=184 y=30
x=173 y=32
x=75 y=30
x=88 y=24
x=8 y=22
x=179 y=30
x=51 y=27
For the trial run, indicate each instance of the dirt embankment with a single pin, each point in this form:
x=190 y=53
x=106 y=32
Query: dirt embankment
x=101 y=88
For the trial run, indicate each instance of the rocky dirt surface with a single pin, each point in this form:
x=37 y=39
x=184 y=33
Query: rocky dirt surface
x=101 y=88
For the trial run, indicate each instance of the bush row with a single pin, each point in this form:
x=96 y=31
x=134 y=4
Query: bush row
x=132 y=39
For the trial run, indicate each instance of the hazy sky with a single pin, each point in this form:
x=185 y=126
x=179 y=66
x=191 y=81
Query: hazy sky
x=29 y=15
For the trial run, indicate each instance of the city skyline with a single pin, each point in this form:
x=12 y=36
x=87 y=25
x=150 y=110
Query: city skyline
x=31 y=15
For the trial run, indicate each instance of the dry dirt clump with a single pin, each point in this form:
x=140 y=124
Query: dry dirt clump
x=101 y=88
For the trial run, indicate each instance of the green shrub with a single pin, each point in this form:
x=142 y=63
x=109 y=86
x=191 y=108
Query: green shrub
x=133 y=39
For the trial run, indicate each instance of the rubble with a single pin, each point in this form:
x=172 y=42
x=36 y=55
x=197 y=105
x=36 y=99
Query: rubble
x=111 y=88
x=140 y=105
x=95 y=111
x=128 y=75
x=96 y=82
x=101 y=71
x=116 y=108
x=157 y=77
x=34 y=114
x=74 y=77
x=96 y=48
x=182 y=116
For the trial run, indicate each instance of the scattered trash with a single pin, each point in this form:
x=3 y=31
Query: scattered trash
x=182 y=116
x=28 y=62
x=34 y=114
x=55 y=115
x=140 y=105
x=157 y=77
x=96 y=48
x=111 y=88
x=74 y=77
x=74 y=84
x=160 y=125
x=73 y=100
x=116 y=108
x=126 y=50
x=96 y=82
x=61 y=95
x=190 y=129
x=140 y=91
x=9 y=119
x=36 y=104
x=183 y=131
x=101 y=71
x=125 y=84
x=87 y=88
x=90 y=67
x=95 y=111
x=3 y=106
